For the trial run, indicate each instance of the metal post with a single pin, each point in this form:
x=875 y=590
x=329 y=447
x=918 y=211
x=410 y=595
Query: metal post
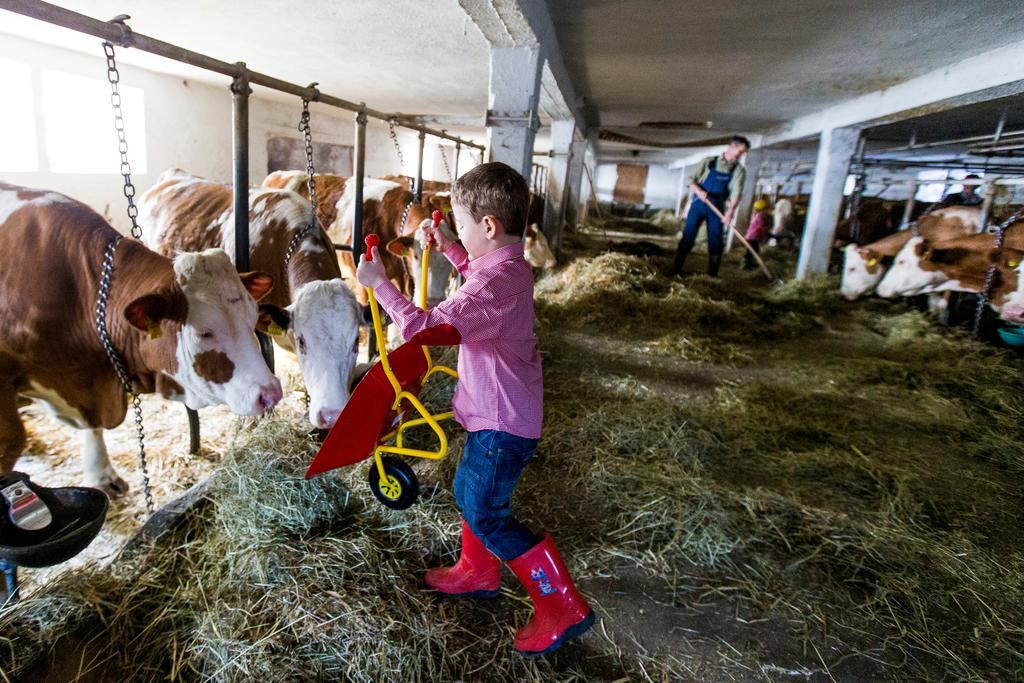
x=357 y=215
x=360 y=173
x=240 y=165
x=455 y=169
x=419 y=170
x=908 y=211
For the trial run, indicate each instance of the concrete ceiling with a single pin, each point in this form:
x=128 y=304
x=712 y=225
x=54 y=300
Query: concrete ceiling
x=400 y=55
x=751 y=66
x=744 y=66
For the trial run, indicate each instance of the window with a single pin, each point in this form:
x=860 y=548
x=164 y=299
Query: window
x=17 y=118
x=79 y=123
x=930 y=193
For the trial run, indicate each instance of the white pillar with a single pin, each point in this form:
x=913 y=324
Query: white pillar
x=512 y=105
x=574 y=182
x=558 y=168
x=835 y=152
x=752 y=164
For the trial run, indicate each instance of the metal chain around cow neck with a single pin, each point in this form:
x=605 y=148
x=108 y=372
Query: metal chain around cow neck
x=398 y=147
x=990 y=276
x=313 y=226
x=118 y=362
x=114 y=77
x=444 y=158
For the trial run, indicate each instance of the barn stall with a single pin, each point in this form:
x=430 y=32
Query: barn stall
x=751 y=479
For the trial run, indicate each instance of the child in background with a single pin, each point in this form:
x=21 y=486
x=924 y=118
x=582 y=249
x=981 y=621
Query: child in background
x=499 y=400
x=757 y=232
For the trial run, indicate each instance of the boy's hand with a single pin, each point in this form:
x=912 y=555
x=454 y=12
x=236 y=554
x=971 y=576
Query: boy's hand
x=371 y=273
x=428 y=233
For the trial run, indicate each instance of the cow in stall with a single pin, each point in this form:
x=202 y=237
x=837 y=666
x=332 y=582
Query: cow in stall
x=384 y=203
x=184 y=327
x=959 y=264
x=865 y=266
x=874 y=222
x=311 y=313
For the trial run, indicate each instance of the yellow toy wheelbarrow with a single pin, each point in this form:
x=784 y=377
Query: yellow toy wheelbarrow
x=383 y=406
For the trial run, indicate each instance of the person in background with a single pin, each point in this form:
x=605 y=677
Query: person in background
x=718 y=181
x=969 y=196
x=757 y=232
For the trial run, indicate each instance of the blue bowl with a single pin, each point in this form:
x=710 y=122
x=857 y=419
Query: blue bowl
x=1012 y=336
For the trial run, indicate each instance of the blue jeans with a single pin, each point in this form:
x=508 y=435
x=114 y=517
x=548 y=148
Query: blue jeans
x=699 y=212
x=491 y=465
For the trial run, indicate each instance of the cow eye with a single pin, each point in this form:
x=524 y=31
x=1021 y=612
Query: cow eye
x=302 y=344
x=206 y=334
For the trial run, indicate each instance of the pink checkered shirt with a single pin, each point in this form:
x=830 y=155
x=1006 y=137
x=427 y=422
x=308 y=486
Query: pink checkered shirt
x=500 y=385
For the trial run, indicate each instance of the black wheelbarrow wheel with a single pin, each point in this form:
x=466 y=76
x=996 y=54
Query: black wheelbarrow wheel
x=400 y=489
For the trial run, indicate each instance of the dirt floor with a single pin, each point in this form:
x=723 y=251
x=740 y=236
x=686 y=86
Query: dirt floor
x=750 y=481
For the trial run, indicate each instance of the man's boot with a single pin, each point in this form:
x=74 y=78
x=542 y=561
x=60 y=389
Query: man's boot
x=714 y=263
x=677 y=264
x=560 y=612
x=477 y=574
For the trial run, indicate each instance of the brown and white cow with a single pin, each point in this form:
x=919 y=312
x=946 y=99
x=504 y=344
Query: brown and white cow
x=906 y=277
x=315 y=313
x=960 y=265
x=864 y=267
x=384 y=202
x=184 y=327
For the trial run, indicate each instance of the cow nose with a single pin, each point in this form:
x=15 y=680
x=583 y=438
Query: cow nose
x=270 y=395
x=325 y=418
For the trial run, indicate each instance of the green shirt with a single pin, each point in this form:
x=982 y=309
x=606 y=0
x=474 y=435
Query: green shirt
x=739 y=174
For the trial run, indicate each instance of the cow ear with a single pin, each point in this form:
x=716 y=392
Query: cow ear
x=273 y=320
x=146 y=312
x=257 y=283
x=400 y=245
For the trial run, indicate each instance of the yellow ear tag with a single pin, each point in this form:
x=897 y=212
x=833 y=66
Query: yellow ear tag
x=1013 y=264
x=154 y=331
x=447 y=208
x=873 y=262
x=274 y=329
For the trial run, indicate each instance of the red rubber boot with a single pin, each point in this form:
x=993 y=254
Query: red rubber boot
x=477 y=574
x=560 y=612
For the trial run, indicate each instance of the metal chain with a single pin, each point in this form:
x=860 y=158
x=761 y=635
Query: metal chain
x=990 y=276
x=313 y=225
x=118 y=363
x=394 y=140
x=114 y=77
x=444 y=158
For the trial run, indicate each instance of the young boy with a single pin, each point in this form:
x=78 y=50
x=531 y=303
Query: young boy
x=499 y=400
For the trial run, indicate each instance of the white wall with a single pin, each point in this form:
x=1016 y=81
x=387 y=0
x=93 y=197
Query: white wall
x=660 y=192
x=662 y=186
x=188 y=124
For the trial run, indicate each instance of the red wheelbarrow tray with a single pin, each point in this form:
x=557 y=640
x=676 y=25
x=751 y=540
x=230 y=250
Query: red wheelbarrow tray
x=368 y=415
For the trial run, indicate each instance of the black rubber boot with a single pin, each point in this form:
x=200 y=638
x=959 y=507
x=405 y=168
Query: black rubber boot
x=677 y=264
x=714 y=263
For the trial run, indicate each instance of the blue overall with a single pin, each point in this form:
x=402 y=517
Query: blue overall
x=717 y=187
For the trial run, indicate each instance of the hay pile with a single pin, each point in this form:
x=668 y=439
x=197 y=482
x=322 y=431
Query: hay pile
x=749 y=481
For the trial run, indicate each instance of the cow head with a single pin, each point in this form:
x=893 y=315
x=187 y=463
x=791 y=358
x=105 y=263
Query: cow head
x=201 y=334
x=862 y=271
x=439 y=268
x=911 y=273
x=321 y=326
x=536 y=250
x=1013 y=306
